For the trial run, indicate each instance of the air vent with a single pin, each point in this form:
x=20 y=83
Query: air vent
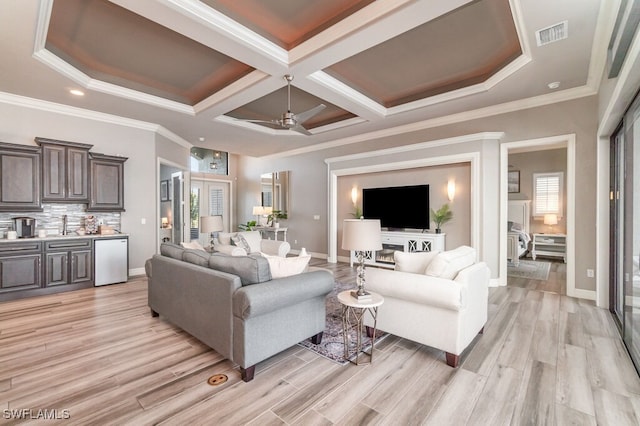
x=553 y=33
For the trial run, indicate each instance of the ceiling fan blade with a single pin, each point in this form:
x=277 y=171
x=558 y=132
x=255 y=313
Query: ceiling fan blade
x=298 y=128
x=304 y=116
x=258 y=121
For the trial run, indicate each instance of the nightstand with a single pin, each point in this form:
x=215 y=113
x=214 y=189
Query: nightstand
x=553 y=245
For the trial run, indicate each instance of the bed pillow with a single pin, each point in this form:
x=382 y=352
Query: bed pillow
x=286 y=266
x=448 y=263
x=415 y=263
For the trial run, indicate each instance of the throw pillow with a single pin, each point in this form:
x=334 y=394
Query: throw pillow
x=197 y=257
x=416 y=262
x=225 y=237
x=253 y=240
x=194 y=245
x=171 y=250
x=239 y=241
x=286 y=266
x=251 y=269
x=448 y=263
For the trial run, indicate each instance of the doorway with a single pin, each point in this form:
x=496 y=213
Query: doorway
x=171 y=206
x=208 y=198
x=565 y=233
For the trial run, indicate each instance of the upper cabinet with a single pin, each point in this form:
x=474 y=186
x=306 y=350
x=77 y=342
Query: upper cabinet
x=20 y=178
x=65 y=171
x=107 y=182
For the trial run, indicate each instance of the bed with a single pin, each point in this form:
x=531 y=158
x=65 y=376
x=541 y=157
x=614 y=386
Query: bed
x=518 y=232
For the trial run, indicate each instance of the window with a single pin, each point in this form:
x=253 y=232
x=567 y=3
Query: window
x=547 y=194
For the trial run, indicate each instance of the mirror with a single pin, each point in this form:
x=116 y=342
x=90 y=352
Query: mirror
x=275 y=190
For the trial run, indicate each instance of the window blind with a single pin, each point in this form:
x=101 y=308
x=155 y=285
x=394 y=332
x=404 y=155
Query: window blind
x=547 y=188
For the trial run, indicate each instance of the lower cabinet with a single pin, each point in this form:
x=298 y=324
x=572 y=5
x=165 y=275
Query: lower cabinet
x=400 y=241
x=33 y=268
x=68 y=262
x=20 y=267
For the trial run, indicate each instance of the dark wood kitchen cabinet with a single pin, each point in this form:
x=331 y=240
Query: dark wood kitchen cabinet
x=20 y=267
x=65 y=171
x=68 y=261
x=20 y=178
x=107 y=182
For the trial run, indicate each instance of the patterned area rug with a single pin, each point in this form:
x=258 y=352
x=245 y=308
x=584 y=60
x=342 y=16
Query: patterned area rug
x=530 y=269
x=332 y=346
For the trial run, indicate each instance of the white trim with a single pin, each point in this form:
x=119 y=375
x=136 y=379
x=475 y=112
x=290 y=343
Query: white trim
x=471 y=157
x=603 y=188
x=569 y=142
x=504 y=108
x=137 y=272
x=25 y=102
x=413 y=147
x=334 y=85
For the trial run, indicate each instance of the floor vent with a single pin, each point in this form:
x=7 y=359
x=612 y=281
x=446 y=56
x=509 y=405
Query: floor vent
x=217 y=379
x=553 y=33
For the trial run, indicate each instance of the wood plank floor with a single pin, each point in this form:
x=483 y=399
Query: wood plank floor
x=98 y=357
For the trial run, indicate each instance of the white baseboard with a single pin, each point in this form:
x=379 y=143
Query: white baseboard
x=582 y=294
x=497 y=282
x=136 y=271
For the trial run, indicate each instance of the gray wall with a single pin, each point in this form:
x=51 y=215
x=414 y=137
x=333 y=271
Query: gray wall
x=310 y=184
x=548 y=161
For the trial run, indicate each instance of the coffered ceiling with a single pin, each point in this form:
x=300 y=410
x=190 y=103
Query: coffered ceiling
x=198 y=69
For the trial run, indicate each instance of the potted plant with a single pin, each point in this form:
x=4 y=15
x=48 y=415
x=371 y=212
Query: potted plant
x=272 y=218
x=441 y=216
x=249 y=226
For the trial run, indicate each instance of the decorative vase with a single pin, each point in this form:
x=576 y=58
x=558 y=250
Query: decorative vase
x=276 y=225
x=438 y=230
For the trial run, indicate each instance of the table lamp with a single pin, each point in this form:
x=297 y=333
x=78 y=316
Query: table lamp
x=550 y=219
x=361 y=235
x=209 y=225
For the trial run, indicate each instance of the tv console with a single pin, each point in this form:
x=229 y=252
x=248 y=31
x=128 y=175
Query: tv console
x=400 y=241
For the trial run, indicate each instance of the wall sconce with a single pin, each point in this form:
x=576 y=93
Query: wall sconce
x=451 y=189
x=165 y=222
x=354 y=195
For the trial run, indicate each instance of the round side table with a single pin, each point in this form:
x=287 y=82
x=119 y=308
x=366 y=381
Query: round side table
x=353 y=312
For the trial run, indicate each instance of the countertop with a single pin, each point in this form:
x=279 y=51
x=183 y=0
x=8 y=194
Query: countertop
x=62 y=237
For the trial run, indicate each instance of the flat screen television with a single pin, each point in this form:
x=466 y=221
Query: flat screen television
x=398 y=206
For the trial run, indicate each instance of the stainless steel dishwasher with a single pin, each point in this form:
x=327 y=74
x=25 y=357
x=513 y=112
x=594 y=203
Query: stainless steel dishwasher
x=111 y=260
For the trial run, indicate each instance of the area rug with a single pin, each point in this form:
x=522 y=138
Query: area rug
x=332 y=346
x=530 y=269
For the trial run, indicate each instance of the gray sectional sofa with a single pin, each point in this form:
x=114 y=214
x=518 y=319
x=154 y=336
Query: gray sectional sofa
x=231 y=304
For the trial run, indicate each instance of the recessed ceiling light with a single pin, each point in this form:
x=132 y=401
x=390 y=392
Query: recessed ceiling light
x=76 y=92
x=553 y=85
x=201 y=139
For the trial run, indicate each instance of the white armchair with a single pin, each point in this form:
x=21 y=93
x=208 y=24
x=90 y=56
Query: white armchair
x=445 y=312
x=242 y=243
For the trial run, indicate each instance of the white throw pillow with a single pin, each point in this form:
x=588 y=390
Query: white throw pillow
x=239 y=241
x=192 y=245
x=416 y=263
x=448 y=263
x=225 y=237
x=287 y=266
x=253 y=239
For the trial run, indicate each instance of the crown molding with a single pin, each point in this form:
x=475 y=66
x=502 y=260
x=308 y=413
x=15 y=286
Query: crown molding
x=422 y=145
x=504 y=108
x=31 y=103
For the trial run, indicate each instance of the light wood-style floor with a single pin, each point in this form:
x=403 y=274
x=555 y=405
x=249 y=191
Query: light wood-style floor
x=544 y=358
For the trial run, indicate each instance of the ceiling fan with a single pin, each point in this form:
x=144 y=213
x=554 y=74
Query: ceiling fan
x=289 y=120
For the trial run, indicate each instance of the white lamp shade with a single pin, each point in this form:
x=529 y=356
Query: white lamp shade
x=258 y=210
x=361 y=234
x=210 y=224
x=268 y=210
x=550 y=219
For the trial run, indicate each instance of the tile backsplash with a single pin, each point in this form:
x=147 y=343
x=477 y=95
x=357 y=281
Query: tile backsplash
x=51 y=217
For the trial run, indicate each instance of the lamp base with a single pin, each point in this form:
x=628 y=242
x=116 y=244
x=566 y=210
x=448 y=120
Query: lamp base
x=361 y=297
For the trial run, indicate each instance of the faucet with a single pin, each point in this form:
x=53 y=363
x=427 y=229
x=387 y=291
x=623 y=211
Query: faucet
x=64 y=224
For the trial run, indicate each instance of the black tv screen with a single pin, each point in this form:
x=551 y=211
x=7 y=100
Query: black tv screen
x=398 y=206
